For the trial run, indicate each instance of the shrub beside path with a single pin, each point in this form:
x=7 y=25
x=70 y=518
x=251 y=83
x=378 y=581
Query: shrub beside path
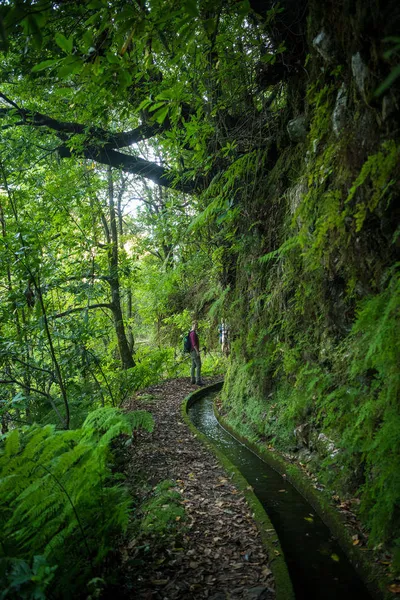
x=216 y=552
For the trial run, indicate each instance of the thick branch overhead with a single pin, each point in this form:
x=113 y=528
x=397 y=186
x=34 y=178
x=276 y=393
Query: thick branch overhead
x=102 y=145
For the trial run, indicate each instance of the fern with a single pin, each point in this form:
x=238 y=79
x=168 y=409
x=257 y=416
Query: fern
x=378 y=170
x=289 y=244
x=163 y=511
x=58 y=495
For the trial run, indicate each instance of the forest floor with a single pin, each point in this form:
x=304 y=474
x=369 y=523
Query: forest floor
x=216 y=551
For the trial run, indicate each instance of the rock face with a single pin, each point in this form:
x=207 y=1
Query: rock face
x=360 y=73
x=340 y=110
x=313 y=321
x=325 y=446
x=302 y=435
x=323 y=44
x=295 y=195
x=297 y=129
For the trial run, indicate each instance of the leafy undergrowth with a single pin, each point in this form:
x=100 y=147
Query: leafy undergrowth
x=162 y=510
x=62 y=505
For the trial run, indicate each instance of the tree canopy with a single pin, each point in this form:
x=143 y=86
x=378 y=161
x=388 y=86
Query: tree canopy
x=94 y=79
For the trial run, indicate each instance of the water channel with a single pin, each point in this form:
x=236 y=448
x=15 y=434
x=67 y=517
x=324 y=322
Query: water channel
x=318 y=567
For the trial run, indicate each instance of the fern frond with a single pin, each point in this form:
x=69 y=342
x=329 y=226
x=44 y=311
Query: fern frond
x=58 y=495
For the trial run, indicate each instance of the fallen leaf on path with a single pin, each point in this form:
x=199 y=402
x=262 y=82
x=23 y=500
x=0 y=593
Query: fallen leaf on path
x=335 y=557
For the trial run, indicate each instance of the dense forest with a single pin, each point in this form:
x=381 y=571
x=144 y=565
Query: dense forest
x=161 y=161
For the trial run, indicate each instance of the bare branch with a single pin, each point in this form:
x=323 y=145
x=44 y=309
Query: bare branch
x=30 y=366
x=9 y=101
x=26 y=387
x=114 y=139
x=132 y=164
x=82 y=308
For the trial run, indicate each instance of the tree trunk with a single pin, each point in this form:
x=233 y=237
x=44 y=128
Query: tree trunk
x=128 y=307
x=123 y=346
x=131 y=339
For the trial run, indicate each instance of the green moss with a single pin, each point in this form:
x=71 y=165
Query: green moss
x=320 y=98
x=349 y=391
x=366 y=411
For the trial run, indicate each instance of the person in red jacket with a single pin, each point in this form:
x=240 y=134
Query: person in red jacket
x=195 y=355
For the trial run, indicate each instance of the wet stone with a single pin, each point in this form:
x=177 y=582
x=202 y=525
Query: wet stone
x=339 y=112
x=297 y=129
x=360 y=73
x=323 y=44
x=259 y=593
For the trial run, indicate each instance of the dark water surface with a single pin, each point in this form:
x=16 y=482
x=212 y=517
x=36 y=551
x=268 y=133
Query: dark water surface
x=318 y=567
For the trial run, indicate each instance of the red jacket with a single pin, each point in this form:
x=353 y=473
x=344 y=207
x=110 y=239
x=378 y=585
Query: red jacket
x=194 y=340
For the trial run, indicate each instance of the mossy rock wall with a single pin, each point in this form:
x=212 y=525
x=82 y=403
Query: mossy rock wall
x=314 y=293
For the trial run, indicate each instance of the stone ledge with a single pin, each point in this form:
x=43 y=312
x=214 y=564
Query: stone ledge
x=283 y=584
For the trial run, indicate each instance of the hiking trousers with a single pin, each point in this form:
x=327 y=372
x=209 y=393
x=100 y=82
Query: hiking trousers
x=196 y=367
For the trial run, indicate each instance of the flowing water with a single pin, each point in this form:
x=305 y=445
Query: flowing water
x=317 y=566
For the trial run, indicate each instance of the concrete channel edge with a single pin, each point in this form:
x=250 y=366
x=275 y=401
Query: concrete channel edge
x=269 y=537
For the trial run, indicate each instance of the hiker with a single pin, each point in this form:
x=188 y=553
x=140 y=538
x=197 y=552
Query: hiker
x=195 y=355
x=220 y=327
x=223 y=338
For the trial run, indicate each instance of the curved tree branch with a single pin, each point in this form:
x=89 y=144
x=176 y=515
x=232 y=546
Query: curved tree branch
x=115 y=139
x=80 y=309
x=102 y=145
x=132 y=164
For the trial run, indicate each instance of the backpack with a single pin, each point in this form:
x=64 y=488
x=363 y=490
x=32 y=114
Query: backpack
x=187 y=345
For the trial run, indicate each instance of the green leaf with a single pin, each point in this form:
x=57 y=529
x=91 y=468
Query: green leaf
x=32 y=27
x=18 y=398
x=394 y=50
x=45 y=64
x=65 y=44
x=112 y=58
x=393 y=75
x=87 y=40
x=96 y=4
x=269 y=57
x=335 y=557
x=63 y=91
x=156 y=105
x=12 y=443
x=190 y=7
x=69 y=66
x=161 y=114
x=209 y=25
x=392 y=38
x=170 y=94
x=125 y=78
x=244 y=8
x=143 y=105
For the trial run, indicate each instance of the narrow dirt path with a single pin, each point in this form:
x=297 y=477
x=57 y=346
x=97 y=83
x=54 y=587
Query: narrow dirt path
x=220 y=555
